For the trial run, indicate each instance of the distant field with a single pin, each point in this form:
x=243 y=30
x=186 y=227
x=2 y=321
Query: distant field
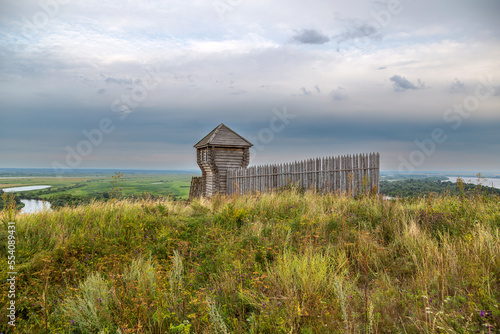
x=176 y=185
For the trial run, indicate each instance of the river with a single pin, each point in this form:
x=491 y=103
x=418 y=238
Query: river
x=27 y=188
x=495 y=183
x=31 y=205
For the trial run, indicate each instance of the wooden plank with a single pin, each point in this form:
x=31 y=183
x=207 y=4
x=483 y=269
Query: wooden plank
x=377 y=174
x=324 y=183
x=346 y=174
x=311 y=173
x=266 y=170
x=319 y=181
x=336 y=173
x=272 y=185
x=328 y=175
x=347 y=167
x=349 y=175
x=370 y=174
x=259 y=173
x=295 y=178
x=236 y=181
x=362 y=182
x=342 y=174
x=317 y=171
x=367 y=172
x=302 y=174
x=356 y=174
x=332 y=173
x=307 y=175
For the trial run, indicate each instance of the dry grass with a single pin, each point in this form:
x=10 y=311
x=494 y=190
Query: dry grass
x=287 y=262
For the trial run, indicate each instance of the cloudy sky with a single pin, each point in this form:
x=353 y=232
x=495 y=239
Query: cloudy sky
x=136 y=83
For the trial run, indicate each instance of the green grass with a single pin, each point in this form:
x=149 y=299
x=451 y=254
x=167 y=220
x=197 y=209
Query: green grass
x=263 y=263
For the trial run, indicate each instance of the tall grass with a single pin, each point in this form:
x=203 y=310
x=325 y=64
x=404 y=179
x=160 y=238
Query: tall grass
x=285 y=262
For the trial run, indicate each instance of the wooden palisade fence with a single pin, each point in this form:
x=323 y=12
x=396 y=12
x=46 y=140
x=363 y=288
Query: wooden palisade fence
x=351 y=174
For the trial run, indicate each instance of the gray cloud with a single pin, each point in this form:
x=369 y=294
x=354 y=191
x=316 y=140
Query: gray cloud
x=63 y=79
x=402 y=84
x=118 y=81
x=356 y=30
x=457 y=86
x=236 y=91
x=305 y=91
x=339 y=94
x=310 y=36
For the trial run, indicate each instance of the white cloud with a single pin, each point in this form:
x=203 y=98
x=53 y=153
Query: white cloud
x=93 y=52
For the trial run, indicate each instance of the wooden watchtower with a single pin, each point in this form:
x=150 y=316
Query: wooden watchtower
x=221 y=149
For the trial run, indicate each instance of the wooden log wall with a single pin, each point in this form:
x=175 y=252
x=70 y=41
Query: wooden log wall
x=196 y=189
x=351 y=174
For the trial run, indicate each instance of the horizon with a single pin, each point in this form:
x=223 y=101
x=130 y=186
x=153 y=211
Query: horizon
x=135 y=84
x=198 y=171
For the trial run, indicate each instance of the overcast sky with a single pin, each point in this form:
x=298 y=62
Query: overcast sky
x=136 y=83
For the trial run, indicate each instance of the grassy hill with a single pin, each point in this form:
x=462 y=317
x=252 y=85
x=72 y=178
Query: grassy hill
x=268 y=263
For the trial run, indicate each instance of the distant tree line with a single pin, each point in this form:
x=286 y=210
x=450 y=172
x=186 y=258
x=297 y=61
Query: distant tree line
x=37 y=194
x=62 y=200
x=413 y=187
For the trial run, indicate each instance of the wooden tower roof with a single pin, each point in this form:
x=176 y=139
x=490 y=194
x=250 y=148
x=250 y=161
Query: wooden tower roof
x=223 y=136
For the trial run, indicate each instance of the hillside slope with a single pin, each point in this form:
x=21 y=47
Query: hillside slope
x=269 y=263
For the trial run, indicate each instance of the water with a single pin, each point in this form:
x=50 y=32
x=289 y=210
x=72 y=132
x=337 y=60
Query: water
x=495 y=183
x=29 y=177
x=27 y=188
x=33 y=206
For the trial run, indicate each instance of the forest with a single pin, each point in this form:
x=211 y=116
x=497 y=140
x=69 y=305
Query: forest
x=424 y=186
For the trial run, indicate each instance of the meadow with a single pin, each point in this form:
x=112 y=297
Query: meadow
x=162 y=184
x=286 y=262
